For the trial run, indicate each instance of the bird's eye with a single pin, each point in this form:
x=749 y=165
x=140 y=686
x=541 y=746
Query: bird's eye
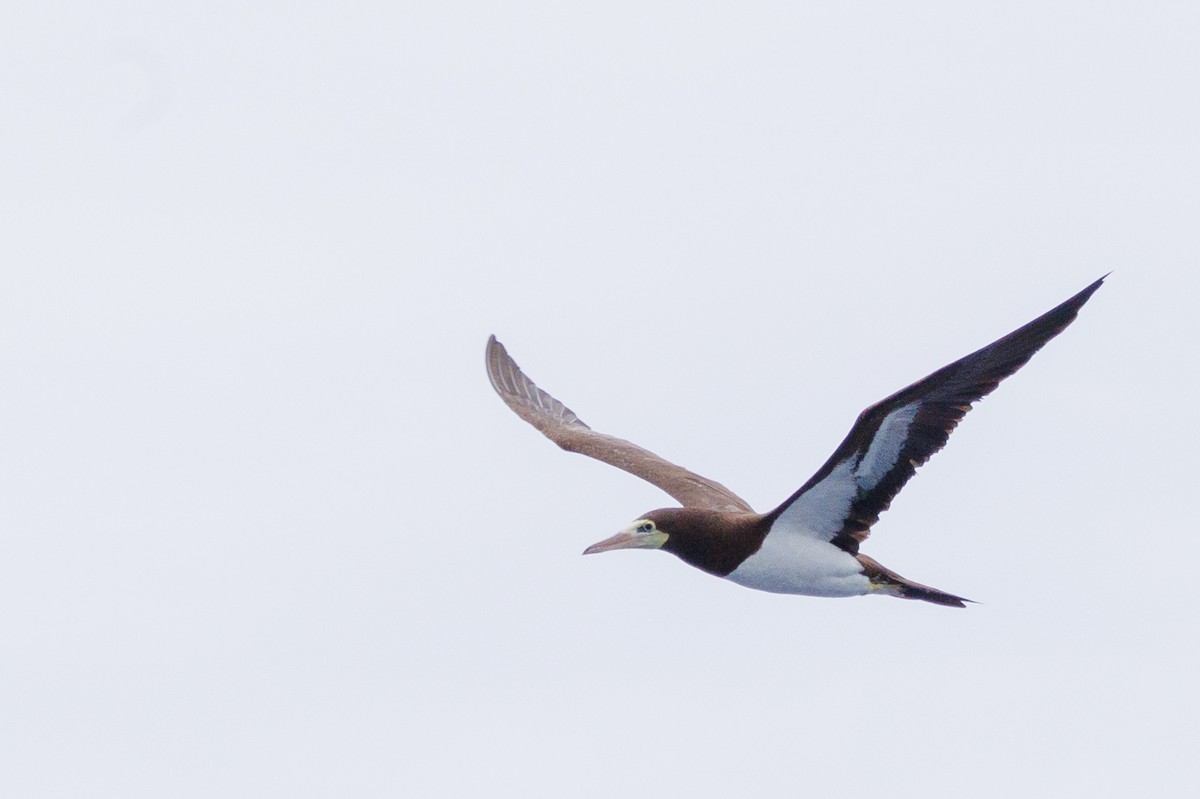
x=645 y=528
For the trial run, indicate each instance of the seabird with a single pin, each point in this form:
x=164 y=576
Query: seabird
x=809 y=544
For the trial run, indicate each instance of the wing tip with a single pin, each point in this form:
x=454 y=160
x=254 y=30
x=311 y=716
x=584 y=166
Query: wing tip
x=494 y=348
x=1087 y=293
x=502 y=370
x=493 y=356
x=532 y=403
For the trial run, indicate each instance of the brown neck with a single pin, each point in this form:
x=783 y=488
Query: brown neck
x=714 y=541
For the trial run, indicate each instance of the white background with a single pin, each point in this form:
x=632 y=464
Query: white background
x=266 y=530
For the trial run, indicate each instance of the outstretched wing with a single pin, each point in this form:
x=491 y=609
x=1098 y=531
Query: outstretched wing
x=559 y=424
x=893 y=437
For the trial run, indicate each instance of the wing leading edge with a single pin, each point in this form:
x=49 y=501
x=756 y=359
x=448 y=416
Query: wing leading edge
x=895 y=436
x=560 y=424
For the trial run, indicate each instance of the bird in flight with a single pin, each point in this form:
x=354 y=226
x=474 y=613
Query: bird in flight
x=809 y=544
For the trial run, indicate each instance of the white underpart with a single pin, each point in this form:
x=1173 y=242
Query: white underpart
x=796 y=556
x=798 y=564
x=885 y=446
x=821 y=510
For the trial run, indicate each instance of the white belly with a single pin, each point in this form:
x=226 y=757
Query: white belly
x=799 y=564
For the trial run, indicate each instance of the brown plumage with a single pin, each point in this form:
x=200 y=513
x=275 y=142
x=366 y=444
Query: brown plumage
x=792 y=548
x=560 y=424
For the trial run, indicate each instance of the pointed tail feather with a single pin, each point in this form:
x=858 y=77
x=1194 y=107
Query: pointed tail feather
x=887 y=581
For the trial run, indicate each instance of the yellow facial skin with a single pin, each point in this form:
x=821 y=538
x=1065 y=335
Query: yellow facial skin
x=642 y=534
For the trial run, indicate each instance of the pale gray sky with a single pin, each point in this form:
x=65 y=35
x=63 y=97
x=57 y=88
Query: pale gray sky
x=267 y=531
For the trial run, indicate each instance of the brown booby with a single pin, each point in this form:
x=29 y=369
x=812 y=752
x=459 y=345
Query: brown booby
x=809 y=544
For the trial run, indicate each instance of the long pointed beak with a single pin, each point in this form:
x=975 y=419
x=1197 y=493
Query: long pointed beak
x=628 y=539
x=622 y=540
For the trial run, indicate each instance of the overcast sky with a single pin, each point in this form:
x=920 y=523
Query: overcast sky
x=267 y=531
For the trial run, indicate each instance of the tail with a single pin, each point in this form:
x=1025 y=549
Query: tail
x=886 y=581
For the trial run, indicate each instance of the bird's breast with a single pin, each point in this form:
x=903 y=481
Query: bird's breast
x=794 y=563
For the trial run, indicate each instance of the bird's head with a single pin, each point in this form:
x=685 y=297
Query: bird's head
x=710 y=540
x=644 y=533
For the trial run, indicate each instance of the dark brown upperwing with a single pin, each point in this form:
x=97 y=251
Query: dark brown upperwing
x=559 y=424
